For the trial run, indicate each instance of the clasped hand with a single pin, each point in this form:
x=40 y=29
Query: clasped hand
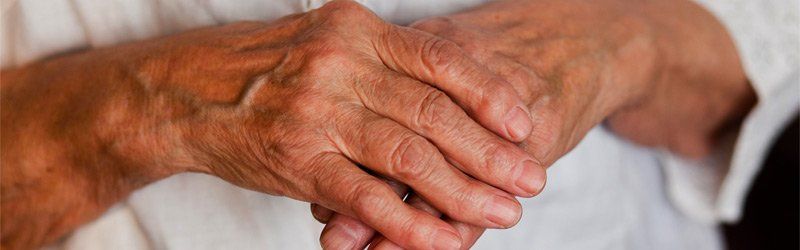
x=416 y=137
x=332 y=105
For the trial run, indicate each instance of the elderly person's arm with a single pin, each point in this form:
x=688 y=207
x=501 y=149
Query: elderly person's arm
x=287 y=108
x=659 y=73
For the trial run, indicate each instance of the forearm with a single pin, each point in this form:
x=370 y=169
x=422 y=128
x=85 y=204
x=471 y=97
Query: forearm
x=64 y=156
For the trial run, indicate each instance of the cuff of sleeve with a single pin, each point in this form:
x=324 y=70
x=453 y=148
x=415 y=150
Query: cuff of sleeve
x=714 y=190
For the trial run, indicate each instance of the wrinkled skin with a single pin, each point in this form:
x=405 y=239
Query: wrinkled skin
x=579 y=63
x=306 y=107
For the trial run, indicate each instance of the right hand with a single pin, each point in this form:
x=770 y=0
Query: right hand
x=296 y=107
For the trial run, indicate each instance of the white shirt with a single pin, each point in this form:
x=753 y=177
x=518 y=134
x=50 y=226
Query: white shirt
x=605 y=194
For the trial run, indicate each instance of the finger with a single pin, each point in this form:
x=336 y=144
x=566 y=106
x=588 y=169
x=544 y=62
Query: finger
x=469 y=233
x=488 y=98
x=320 y=213
x=346 y=231
x=430 y=113
x=348 y=190
x=362 y=233
x=417 y=202
x=394 y=151
x=323 y=214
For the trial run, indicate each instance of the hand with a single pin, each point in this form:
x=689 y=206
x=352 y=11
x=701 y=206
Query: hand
x=287 y=108
x=577 y=63
x=327 y=100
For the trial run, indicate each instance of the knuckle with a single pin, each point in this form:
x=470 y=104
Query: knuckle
x=522 y=80
x=346 y=11
x=410 y=231
x=342 y=5
x=325 y=56
x=485 y=105
x=470 y=199
x=439 y=53
x=410 y=158
x=433 y=111
x=488 y=92
x=496 y=156
x=493 y=97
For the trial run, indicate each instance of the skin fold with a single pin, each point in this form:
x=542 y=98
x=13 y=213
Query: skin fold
x=324 y=106
x=658 y=73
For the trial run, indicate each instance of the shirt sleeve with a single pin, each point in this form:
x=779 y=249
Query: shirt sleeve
x=33 y=29
x=766 y=35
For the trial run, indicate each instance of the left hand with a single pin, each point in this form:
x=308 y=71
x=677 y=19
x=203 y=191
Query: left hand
x=579 y=63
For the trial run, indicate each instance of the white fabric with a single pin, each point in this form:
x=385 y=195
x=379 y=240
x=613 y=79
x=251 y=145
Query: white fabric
x=606 y=194
x=767 y=36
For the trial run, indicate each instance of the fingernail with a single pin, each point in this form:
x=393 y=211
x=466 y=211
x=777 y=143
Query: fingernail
x=444 y=239
x=531 y=178
x=502 y=211
x=337 y=238
x=518 y=123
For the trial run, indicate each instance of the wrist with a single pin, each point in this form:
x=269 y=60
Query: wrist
x=697 y=50
x=699 y=88
x=637 y=59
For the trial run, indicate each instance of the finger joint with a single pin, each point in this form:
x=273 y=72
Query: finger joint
x=410 y=159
